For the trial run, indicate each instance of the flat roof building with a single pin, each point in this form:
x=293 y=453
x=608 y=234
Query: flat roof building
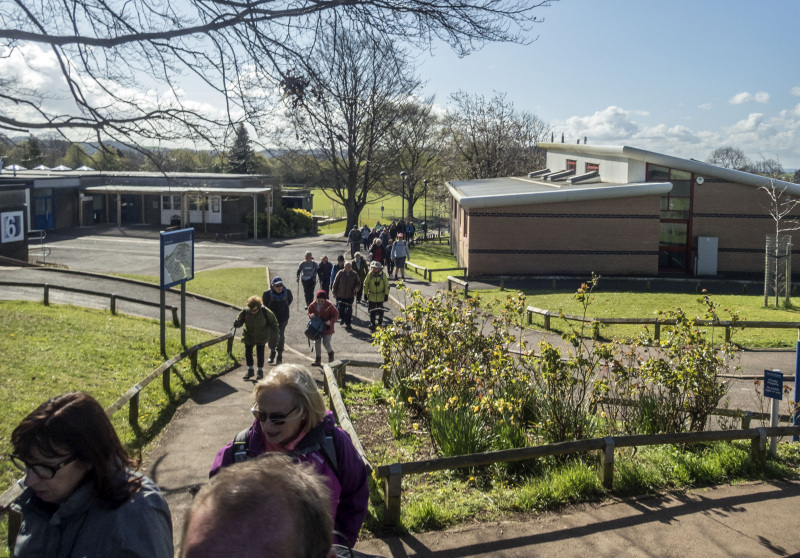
x=614 y=210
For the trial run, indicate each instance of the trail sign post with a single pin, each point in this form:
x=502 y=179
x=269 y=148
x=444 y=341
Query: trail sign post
x=177 y=267
x=773 y=388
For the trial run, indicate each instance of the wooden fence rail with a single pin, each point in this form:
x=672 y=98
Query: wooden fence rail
x=457 y=281
x=393 y=474
x=334 y=375
x=418 y=268
x=657 y=322
x=113 y=298
x=431 y=271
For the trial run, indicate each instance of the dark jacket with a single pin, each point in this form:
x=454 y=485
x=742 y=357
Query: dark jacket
x=83 y=526
x=324 y=270
x=335 y=271
x=346 y=284
x=348 y=484
x=280 y=304
x=258 y=327
x=377 y=253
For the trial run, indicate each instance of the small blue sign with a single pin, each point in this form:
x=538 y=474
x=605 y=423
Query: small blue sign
x=773 y=384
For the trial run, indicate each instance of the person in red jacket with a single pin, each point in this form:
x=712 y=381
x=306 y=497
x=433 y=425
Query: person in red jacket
x=323 y=308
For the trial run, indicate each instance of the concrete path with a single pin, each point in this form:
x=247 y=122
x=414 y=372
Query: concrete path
x=747 y=520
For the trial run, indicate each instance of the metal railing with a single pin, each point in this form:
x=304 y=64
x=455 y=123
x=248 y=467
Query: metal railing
x=40 y=251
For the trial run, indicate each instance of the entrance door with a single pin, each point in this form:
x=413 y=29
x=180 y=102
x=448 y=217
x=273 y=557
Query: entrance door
x=675 y=234
x=44 y=219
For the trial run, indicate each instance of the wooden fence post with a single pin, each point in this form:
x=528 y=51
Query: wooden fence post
x=606 y=468
x=133 y=411
x=340 y=373
x=727 y=334
x=547 y=322
x=392 y=495
x=466 y=289
x=193 y=360
x=748 y=416
x=175 y=321
x=46 y=295
x=758 y=447
x=657 y=335
x=165 y=380
x=530 y=317
x=113 y=304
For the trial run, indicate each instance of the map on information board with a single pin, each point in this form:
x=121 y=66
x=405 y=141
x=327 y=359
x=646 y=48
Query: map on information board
x=177 y=257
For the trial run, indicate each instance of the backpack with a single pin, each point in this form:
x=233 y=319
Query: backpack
x=324 y=444
x=315 y=328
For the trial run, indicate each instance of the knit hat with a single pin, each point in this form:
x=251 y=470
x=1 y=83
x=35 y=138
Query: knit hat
x=322 y=294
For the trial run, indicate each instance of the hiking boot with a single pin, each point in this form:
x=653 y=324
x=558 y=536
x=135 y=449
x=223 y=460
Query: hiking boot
x=330 y=357
x=318 y=361
x=260 y=375
x=279 y=358
x=249 y=373
x=271 y=357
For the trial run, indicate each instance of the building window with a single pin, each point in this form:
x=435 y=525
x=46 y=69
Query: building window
x=215 y=201
x=592 y=167
x=171 y=203
x=572 y=165
x=198 y=203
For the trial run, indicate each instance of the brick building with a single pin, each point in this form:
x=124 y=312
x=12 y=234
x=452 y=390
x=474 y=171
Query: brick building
x=615 y=211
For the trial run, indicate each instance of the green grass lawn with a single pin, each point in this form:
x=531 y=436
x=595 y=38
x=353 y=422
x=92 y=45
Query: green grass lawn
x=371 y=214
x=49 y=350
x=434 y=255
x=643 y=305
x=228 y=285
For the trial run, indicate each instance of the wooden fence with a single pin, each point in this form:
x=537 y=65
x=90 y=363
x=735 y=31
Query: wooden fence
x=657 y=322
x=113 y=298
x=464 y=283
x=392 y=474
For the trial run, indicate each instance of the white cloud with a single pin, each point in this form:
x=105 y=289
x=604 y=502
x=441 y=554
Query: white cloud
x=747 y=97
x=704 y=106
x=611 y=123
x=796 y=90
x=751 y=124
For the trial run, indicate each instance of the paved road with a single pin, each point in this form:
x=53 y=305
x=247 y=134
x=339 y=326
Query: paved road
x=747 y=520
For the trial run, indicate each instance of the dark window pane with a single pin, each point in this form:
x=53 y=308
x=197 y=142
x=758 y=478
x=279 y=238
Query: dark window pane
x=672 y=260
x=657 y=174
x=681 y=188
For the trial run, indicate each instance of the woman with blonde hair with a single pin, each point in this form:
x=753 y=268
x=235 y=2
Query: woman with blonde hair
x=290 y=417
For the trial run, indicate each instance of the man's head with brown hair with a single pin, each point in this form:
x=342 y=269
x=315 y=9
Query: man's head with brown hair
x=266 y=507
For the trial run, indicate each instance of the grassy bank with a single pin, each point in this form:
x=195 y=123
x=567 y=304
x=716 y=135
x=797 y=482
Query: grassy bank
x=46 y=351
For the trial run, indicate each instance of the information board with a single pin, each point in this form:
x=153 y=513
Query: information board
x=177 y=257
x=773 y=384
x=12 y=228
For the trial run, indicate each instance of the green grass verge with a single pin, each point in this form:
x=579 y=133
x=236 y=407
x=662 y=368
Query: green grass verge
x=233 y=285
x=49 y=350
x=434 y=255
x=643 y=305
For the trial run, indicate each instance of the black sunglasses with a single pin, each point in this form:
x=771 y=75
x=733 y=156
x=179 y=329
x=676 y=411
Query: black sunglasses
x=278 y=419
x=41 y=470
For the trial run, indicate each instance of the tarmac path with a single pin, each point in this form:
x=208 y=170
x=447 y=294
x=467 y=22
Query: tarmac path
x=753 y=519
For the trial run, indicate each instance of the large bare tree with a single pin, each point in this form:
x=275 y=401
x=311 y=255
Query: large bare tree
x=358 y=83
x=122 y=66
x=490 y=138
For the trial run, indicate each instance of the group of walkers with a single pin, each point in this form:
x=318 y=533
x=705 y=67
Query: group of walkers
x=83 y=496
x=349 y=282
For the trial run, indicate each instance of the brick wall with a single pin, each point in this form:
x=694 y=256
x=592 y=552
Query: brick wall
x=613 y=237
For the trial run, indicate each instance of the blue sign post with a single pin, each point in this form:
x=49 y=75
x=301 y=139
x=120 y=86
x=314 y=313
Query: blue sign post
x=177 y=267
x=773 y=388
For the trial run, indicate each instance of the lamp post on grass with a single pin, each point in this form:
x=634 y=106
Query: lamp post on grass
x=403 y=175
x=425 y=182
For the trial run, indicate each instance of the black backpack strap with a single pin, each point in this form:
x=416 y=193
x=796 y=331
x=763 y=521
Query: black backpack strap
x=317 y=440
x=241 y=443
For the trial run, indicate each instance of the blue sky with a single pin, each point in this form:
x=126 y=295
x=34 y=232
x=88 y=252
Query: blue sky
x=680 y=77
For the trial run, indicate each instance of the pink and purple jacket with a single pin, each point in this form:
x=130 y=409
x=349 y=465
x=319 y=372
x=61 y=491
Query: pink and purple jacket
x=349 y=490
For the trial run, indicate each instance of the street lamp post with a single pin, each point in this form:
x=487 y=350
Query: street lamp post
x=403 y=175
x=425 y=182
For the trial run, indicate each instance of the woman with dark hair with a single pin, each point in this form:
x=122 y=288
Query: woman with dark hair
x=82 y=496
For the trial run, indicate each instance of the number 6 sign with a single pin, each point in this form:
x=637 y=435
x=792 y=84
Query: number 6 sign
x=11 y=228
